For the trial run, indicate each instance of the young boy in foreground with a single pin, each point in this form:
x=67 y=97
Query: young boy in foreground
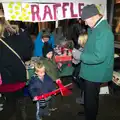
x=40 y=84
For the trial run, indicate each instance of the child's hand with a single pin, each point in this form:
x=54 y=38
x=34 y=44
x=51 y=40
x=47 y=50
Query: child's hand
x=76 y=54
x=49 y=55
x=35 y=99
x=59 y=65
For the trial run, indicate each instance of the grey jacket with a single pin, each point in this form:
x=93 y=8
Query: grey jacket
x=76 y=55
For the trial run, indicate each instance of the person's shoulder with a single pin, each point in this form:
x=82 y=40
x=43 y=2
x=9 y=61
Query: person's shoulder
x=107 y=28
x=46 y=75
x=48 y=78
x=104 y=24
x=33 y=78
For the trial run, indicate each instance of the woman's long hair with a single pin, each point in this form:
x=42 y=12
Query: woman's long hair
x=2 y=26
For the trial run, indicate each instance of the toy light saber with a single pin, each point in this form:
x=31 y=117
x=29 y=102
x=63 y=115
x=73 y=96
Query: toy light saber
x=64 y=90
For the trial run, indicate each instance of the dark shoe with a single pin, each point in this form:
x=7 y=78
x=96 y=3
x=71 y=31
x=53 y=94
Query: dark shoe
x=48 y=114
x=21 y=109
x=80 y=113
x=52 y=109
x=80 y=100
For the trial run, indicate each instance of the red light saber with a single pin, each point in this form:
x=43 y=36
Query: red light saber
x=64 y=90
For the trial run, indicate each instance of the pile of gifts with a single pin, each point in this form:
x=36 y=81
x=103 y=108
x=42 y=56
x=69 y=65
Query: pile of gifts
x=62 y=54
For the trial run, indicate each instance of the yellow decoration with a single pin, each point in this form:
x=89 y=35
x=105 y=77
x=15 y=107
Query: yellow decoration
x=17 y=13
x=20 y=18
x=11 y=11
x=10 y=5
x=27 y=6
x=23 y=18
x=27 y=18
x=29 y=13
x=18 y=3
x=23 y=10
x=13 y=17
x=17 y=7
x=24 y=14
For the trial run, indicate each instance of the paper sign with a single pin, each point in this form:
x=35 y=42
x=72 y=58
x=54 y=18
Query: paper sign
x=32 y=12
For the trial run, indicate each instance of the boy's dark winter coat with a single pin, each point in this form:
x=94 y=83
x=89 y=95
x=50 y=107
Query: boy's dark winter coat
x=38 y=87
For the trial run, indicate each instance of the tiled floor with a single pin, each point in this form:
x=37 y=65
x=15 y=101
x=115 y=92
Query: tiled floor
x=109 y=108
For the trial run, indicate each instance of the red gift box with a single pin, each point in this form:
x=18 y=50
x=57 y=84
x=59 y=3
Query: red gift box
x=63 y=58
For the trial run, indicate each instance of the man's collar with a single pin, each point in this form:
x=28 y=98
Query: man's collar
x=98 y=21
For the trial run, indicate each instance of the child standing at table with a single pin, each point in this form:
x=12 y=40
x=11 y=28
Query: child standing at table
x=82 y=39
x=40 y=84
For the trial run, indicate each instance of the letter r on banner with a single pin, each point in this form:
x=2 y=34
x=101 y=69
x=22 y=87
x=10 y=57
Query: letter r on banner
x=35 y=12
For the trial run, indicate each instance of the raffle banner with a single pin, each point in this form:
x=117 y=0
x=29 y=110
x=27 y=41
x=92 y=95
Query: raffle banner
x=35 y=12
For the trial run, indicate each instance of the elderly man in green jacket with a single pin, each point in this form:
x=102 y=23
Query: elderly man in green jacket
x=97 y=59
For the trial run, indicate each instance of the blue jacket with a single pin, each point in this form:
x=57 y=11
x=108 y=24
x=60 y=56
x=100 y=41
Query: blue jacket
x=38 y=87
x=38 y=45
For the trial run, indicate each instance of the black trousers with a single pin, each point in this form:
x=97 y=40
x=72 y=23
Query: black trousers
x=14 y=106
x=91 y=98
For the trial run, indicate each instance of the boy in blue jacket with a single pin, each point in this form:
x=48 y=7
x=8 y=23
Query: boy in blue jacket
x=40 y=84
x=44 y=38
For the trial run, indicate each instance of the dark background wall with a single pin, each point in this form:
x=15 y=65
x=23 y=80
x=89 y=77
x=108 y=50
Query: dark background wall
x=110 y=11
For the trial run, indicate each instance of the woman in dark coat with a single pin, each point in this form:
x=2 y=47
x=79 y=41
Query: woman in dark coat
x=13 y=71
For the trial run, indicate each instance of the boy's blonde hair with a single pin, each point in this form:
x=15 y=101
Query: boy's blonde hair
x=82 y=39
x=38 y=66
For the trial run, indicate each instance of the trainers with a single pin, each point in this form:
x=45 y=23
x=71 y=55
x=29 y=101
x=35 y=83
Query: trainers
x=1 y=105
x=80 y=101
x=52 y=109
x=1 y=108
x=49 y=114
x=80 y=113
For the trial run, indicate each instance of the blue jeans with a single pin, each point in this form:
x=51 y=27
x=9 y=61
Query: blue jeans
x=42 y=109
